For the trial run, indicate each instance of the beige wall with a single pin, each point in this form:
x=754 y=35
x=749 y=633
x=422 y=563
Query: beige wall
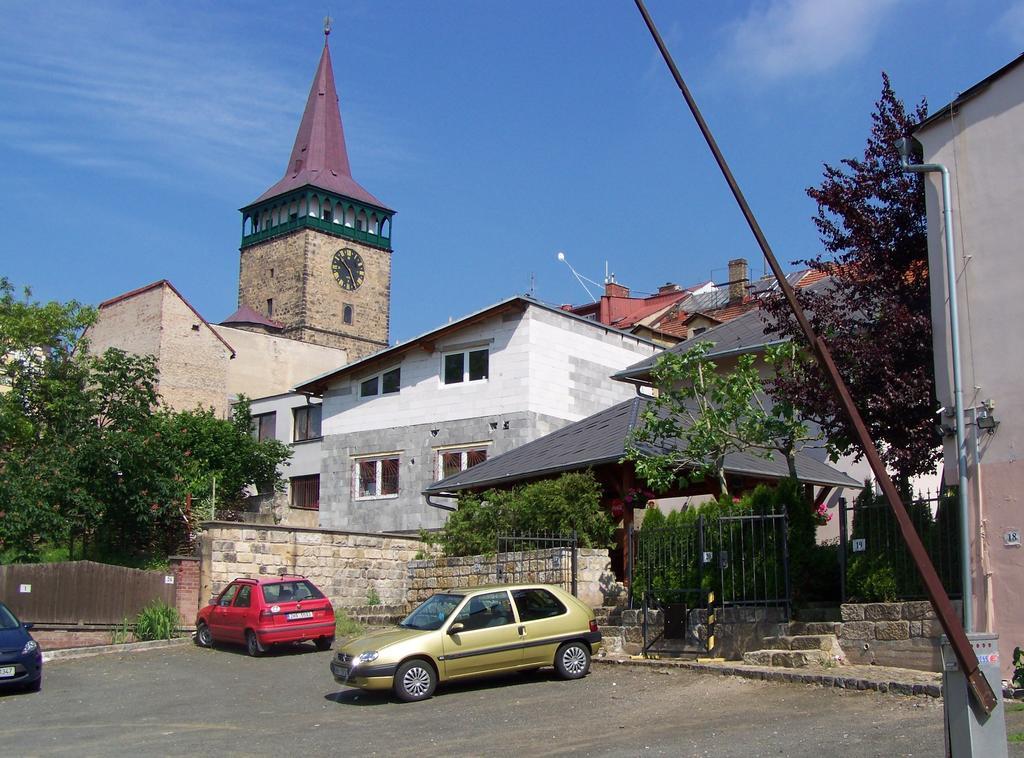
x=981 y=145
x=269 y=365
x=193 y=362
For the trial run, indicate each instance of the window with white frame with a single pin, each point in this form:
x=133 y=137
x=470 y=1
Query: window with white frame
x=376 y=477
x=386 y=383
x=465 y=366
x=451 y=462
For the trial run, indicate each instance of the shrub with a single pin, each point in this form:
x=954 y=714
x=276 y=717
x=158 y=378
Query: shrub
x=157 y=621
x=372 y=598
x=570 y=503
x=344 y=626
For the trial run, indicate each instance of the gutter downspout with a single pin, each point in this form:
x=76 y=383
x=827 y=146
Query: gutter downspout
x=903 y=145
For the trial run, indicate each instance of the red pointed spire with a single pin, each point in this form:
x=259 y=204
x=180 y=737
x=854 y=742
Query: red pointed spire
x=319 y=156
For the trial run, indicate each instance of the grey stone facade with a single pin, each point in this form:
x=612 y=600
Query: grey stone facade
x=416 y=447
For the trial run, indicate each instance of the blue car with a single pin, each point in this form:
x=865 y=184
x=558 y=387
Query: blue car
x=21 y=660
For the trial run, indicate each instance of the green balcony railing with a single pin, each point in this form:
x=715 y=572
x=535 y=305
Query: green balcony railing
x=312 y=222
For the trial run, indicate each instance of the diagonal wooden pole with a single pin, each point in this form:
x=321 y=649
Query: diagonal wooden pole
x=948 y=617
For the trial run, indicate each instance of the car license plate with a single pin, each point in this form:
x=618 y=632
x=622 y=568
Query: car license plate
x=300 y=615
x=6 y=671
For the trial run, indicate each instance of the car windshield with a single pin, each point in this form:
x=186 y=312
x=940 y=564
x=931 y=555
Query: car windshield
x=7 y=620
x=432 y=612
x=286 y=592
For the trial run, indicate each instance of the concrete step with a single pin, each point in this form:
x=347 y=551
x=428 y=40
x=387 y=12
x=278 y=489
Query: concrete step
x=790 y=659
x=802 y=642
x=813 y=627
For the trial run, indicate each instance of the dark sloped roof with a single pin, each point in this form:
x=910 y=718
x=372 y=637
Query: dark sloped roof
x=246 y=315
x=601 y=438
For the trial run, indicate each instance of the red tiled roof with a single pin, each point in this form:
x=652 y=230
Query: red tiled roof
x=319 y=157
x=246 y=315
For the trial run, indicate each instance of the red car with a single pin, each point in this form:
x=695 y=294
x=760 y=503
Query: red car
x=263 y=612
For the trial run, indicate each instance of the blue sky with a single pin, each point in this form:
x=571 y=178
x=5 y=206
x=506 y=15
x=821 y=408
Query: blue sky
x=131 y=133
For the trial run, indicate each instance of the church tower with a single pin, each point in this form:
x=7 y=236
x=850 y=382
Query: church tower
x=316 y=247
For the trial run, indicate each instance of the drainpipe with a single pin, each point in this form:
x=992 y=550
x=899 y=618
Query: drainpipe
x=903 y=145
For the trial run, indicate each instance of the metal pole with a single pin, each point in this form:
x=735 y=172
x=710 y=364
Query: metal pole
x=947 y=615
x=958 y=387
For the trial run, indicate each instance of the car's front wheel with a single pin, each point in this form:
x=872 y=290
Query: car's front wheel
x=203 y=636
x=252 y=644
x=572 y=661
x=415 y=680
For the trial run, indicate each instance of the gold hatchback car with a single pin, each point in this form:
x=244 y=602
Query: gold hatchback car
x=469 y=632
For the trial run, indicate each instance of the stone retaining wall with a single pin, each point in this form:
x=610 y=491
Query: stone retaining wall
x=891 y=634
x=344 y=565
x=737 y=630
x=596 y=585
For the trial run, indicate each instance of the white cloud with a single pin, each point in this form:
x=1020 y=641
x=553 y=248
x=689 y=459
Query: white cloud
x=1011 y=23
x=142 y=90
x=788 y=38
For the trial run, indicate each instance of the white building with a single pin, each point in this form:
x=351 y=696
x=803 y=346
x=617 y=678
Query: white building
x=407 y=416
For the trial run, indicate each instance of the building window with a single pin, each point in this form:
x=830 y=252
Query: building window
x=306 y=492
x=270 y=307
x=346 y=314
x=307 y=422
x=467 y=366
x=450 y=462
x=263 y=426
x=387 y=383
x=377 y=477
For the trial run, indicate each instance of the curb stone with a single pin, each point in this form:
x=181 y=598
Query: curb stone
x=70 y=653
x=888 y=684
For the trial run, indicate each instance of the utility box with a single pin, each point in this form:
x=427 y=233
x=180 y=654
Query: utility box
x=675 y=621
x=970 y=732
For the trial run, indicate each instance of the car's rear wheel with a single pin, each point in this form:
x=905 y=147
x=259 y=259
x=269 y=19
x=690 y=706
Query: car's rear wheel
x=203 y=636
x=415 y=680
x=323 y=643
x=252 y=644
x=572 y=661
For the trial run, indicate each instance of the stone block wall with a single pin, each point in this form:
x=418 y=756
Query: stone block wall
x=596 y=585
x=344 y=565
x=891 y=634
x=737 y=630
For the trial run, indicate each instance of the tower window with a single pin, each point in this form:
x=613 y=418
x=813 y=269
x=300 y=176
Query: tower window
x=328 y=214
x=270 y=307
x=346 y=314
x=271 y=273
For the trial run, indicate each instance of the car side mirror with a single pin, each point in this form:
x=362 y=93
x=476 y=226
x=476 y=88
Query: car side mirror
x=28 y=625
x=457 y=627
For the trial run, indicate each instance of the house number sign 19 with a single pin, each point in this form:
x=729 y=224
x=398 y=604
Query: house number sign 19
x=860 y=545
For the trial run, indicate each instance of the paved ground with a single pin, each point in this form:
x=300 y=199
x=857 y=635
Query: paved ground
x=187 y=701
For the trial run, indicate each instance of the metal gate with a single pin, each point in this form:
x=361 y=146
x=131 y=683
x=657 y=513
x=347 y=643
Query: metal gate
x=542 y=557
x=685 y=572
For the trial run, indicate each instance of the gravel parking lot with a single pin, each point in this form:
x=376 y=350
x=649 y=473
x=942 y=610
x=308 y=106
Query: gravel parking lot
x=189 y=701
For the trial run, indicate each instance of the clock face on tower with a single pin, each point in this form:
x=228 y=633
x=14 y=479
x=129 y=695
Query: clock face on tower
x=348 y=268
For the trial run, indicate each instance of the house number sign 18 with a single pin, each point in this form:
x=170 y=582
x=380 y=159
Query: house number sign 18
x=1011 y=538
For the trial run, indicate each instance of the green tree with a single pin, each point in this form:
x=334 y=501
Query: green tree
x=700 y=414
x=89 y=459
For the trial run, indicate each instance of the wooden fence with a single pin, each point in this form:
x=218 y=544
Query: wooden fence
x=81 y=592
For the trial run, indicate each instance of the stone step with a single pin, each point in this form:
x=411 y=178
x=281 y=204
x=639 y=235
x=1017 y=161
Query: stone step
x=813 y=627
x=802 y=642
x=790 y=659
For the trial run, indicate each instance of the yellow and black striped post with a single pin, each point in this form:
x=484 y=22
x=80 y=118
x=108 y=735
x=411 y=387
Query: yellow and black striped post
x=711 y=621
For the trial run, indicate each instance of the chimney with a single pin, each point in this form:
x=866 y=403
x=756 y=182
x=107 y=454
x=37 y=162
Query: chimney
x=614 y=289
x=668 y=288
x=737 y=280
